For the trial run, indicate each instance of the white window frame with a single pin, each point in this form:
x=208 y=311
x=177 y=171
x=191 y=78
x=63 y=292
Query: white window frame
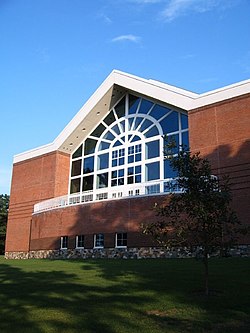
x=120 y=246
x=79 y=247
x=62 y=241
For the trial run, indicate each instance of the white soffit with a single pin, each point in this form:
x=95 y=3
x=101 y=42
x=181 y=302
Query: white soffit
x=115 y=85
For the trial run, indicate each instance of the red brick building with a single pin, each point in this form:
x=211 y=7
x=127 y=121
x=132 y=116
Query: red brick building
x=87 y=193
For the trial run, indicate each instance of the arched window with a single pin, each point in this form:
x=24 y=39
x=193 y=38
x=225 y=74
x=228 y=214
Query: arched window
x=126 y=147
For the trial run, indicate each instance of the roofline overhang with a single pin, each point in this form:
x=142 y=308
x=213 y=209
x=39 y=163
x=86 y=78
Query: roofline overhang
x=177 y=97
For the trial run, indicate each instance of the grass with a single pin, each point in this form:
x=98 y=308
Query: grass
x=116 y=296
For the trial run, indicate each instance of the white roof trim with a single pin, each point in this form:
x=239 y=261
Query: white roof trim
x=165 y=93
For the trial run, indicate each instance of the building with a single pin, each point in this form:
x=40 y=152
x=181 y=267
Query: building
x=87 y=193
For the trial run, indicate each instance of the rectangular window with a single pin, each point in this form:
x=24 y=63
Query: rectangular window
x=134 y=174
x=64 y=242
x=80 y=241
x=134 y=153
x=98 y=240
x=117 y=177
x=121 y=239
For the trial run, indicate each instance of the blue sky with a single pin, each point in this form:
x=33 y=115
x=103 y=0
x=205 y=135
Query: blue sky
x=55 y=53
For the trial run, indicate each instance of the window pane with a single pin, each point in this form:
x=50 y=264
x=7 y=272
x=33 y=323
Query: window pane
x=137 y=169
x=184 y=121
x=120 y=108
x=98 y=131
x=185 y=140
x=170 y=123
x=145 y=106
x=109 y=136
x=137 y=178
x=159 y=111
x=116 y=129
x=102 y=180
x=138 y=121
x=89 y=146
x=121 y=161
x=168 y=171
x=133 y=104
x=152 y=171
x=174 y=139
x=110 y=118
x=130 y=122
x=117 y=143
x=78 y=152
x=104 y=145
x=87 y=183
x=135 y=138
x=152 y=132
x=152 y=149
x=138 y=157
x=88 y=165
x=75 y=185
x=76 y=168
x=145 y=125
x=103 y=161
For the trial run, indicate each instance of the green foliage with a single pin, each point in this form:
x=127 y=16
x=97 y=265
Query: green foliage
x=4 y=206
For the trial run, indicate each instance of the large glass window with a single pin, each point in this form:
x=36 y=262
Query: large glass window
x=126 y=148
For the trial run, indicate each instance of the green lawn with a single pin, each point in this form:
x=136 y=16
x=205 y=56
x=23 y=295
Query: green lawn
x=116 y=296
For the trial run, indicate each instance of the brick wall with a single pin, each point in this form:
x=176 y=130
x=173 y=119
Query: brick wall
x=221 y=132
x=33 y=180
x=107 y=217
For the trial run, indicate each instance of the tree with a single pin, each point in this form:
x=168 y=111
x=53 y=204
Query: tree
x=4 y=206
x=199 y=214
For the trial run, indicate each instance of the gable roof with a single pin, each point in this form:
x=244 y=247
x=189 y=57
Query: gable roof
x=110 y=91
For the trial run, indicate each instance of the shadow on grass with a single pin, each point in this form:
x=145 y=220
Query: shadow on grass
x=57 y=301
x=178 y=285
x=115 y=296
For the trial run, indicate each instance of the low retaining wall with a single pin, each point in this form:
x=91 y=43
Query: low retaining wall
x=128 y=253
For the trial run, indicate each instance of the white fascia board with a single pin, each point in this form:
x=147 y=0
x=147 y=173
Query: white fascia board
x=219 y=95
x=42 y=150
x=157 y=90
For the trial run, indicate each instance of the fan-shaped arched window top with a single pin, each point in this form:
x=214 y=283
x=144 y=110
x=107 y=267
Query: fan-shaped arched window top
x=126 y=147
